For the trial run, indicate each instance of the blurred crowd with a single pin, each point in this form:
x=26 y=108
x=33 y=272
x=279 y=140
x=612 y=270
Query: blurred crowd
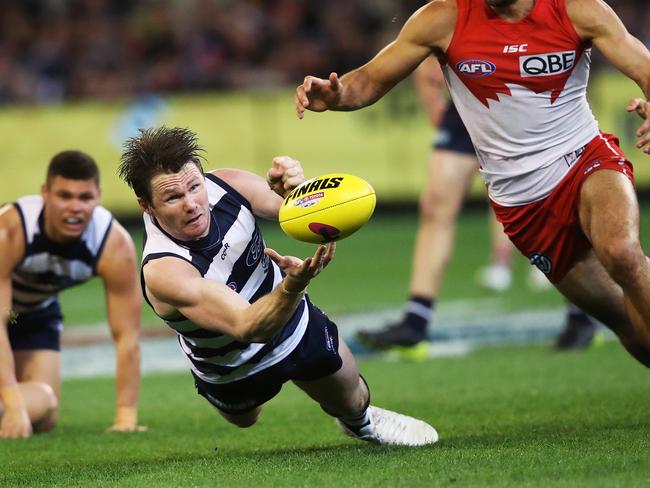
x=65 y=49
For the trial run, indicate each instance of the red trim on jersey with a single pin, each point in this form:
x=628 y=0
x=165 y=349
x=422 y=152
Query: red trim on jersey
x=548 y=231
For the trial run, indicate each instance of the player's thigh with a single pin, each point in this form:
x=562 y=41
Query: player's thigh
x=449 y=176
x=39 y=365
x=590 y=287
x=342 y=391
x=609 y=210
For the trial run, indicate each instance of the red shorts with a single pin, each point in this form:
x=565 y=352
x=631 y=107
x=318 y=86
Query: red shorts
x=548 y=231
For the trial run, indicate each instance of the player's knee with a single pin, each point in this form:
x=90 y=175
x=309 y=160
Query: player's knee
x=434 y=208
x=624 y=260
x=47 y=422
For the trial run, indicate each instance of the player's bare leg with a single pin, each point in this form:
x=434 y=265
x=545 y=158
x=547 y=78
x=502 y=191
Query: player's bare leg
x=39 y=375
x=590 y=287
x=609 y=214
x=612 y=282
x=345 y=395
x=449 y=176
x=342 y=394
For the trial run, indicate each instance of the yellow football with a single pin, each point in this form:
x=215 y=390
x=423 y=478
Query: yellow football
x=327 y=208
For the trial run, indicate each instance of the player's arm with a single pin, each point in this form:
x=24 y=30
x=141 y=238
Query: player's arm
x=214 y=306
x=265 y=196
x=15 y=421
x=430 y=85
x=595 y=21
x=427 y=30
x=118 y=269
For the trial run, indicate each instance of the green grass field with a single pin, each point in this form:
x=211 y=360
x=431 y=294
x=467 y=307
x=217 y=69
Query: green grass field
x=517 y=416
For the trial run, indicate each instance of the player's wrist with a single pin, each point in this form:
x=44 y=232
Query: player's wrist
x=12 y=398
x=126 y=415
x=291 y=286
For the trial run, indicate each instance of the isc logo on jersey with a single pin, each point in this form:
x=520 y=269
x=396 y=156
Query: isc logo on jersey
x=547 y=64
x=475 y=68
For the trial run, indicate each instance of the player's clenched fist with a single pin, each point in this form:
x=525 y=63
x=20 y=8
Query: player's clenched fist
x=284 y=175
x=318 y=95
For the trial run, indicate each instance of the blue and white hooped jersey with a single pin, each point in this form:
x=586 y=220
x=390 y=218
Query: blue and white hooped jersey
x=49 y=267
x=233 y=254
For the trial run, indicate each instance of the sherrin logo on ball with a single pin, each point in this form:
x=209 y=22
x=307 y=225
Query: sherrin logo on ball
x=327 y=208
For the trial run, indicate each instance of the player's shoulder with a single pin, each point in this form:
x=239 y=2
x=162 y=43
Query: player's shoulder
x=118 y=240
x=589 y=17
x=11 y=221
x=242 y=184
x=432 y=22
x=12 y=234
x=234 y=177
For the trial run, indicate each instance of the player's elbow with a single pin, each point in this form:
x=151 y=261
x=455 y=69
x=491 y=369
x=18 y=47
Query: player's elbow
x=249 y=330
x=252 y=334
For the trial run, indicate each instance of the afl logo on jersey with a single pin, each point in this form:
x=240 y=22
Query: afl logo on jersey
x=547 y=64
x=475 y=68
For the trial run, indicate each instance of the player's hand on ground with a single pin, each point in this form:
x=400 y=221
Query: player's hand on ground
x=642 y=107
x=284 y=175
x=126 y=427
x=15 y=423
x=317 y=94
x=126 y=420
x=300 y=272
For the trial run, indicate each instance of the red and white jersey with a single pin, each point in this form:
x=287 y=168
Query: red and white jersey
x=520 y=88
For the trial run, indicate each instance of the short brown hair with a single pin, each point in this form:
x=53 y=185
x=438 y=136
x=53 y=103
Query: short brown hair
x=155 y=151
x=72 y=165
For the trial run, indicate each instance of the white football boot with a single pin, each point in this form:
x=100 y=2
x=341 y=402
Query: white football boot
x=392 y=429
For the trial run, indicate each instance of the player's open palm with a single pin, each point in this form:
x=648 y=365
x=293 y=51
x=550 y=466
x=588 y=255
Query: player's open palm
x=317 y=94
x=15 y=424
x=299 y=271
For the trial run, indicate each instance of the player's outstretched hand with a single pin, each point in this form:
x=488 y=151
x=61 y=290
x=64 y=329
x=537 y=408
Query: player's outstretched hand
x=301 y=272
x=15 y=424
x=642 y=107
x=284 y=175
x=317 y=94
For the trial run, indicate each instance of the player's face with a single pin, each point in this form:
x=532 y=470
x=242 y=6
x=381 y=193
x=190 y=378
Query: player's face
x=69 y=206
x=179 y=202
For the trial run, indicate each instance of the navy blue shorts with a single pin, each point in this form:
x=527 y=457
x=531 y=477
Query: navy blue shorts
x=316 y=356
x=40 y=329
x=452 y=135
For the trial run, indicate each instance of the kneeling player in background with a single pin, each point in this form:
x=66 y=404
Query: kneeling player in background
x=50 y=242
